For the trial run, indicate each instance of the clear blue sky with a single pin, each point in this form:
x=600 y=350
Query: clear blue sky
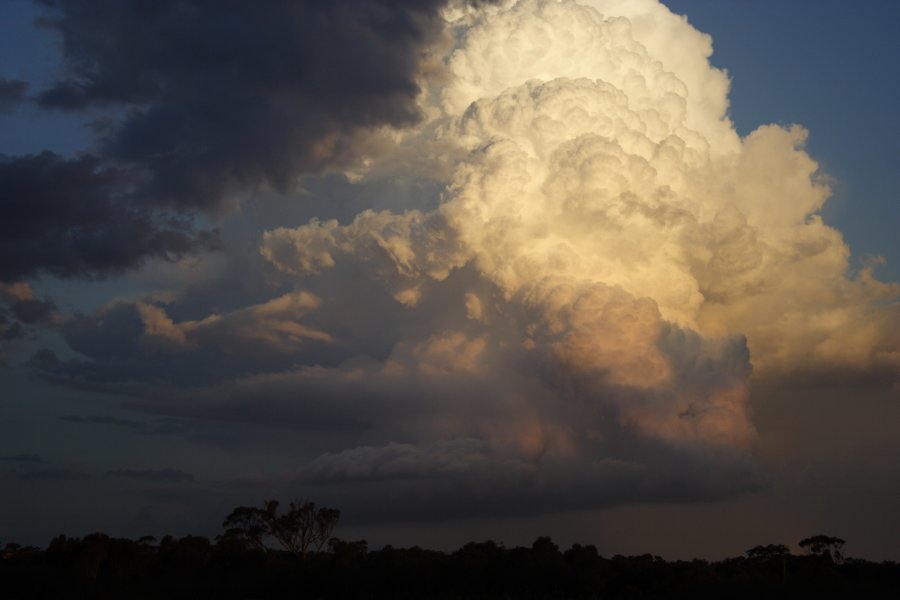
x=831 y=66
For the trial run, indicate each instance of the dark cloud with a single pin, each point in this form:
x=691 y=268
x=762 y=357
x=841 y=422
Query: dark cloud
x=12 y=332
x=60 y=474
x=10 y=335
x=166 y=475
x=125 y=377
x=428 y=434
x=19 y=312
x=25 y=457
x=112 y=333
x=91 y=376
x=156 y=427
x=139 y=342
x=498 y=488
x=12 y=93
x=451 y=422
x=223 y=96
x=202 y=100
x=45 y=358
x=69 y=217
x=32 y=310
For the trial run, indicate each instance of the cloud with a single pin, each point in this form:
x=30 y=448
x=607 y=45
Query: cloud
x=576 y=316
x=195 y=105
x=57 y=474
x=157 y=427
x=136 y=329
x=19 y=310
x=607 y=170
x=458 y=479
x=9 y=333
x=225 y=97
x=72 y=218
x=33 y=310
x=637 y=261
x=272 y=326
x=447 y=422
x=27 y=458
x=128 y=345
x=163 y=475
x=12 y=94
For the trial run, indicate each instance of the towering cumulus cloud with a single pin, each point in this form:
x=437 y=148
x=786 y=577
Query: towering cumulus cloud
x=606 y=261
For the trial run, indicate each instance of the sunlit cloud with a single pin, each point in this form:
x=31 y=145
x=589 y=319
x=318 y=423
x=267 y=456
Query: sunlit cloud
x=572 y=320
x=635 y=258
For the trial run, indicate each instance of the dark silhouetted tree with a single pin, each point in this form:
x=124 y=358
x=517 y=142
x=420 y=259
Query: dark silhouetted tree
x=825 y=546
x=299 y=530
x=247 y=526
x=771 y=553
x=348 y=551
x=768 y=552
x=302 y=527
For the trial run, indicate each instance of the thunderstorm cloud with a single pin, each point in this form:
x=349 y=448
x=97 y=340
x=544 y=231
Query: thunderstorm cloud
x=631 y=261
x=571 y=320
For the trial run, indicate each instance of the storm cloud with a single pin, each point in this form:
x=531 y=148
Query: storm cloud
x=575 y=315
x=196 y=104
x=221 y=97
x=73 y=218
x=638 y=259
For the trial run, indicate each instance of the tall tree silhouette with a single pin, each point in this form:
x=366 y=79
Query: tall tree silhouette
x=248 y=526
x=300 y=529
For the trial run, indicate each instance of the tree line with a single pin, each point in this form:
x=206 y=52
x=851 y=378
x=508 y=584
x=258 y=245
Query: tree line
x=292 y=553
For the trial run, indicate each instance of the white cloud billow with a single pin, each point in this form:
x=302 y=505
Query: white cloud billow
x=629 y=242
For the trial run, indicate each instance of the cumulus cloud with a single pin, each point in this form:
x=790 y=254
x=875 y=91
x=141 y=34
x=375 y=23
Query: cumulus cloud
x=636 y=261
x=576 y=318
x=608 y=169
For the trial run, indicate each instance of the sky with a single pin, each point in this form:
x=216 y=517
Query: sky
x=589 y=269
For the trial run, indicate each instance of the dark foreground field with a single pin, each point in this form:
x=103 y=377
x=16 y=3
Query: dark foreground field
x=98 y=566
